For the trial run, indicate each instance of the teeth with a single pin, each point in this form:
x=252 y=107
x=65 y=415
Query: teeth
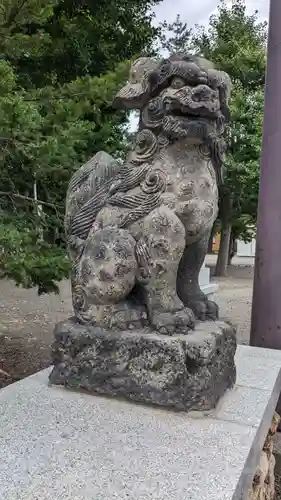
x=168 y=105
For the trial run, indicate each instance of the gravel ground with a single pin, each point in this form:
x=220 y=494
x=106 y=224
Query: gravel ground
x=234 y=297
x=27 y=320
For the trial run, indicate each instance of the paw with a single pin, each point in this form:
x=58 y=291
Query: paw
x=204 y=310
x=176 y=323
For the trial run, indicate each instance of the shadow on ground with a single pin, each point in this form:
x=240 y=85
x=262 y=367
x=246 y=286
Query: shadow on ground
x=20 y=358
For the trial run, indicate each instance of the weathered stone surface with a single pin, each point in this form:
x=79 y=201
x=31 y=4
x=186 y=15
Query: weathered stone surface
x=138 y=232
x=184 y=372
x=264 y=480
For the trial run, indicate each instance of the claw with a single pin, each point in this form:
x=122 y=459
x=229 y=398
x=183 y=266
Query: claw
x=143 y=258
x=204 y=309
x=176 y=323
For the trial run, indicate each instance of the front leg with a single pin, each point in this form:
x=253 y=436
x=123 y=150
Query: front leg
x=164 y=235
x=188 y=280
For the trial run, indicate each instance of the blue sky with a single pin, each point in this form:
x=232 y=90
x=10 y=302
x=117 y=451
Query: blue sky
x=196 y=12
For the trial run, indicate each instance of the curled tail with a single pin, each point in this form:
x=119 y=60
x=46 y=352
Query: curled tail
x=87 y=192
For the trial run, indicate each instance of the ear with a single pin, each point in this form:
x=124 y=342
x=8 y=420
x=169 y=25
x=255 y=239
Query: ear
x=131 y=96
x=153 y=79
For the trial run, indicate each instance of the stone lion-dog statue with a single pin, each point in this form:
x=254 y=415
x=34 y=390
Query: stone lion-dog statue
x=138 y=231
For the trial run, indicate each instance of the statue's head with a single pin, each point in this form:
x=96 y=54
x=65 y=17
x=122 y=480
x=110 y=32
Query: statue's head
x=177 y=96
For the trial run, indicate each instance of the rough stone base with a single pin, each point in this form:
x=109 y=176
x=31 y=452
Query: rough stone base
x=182 y=372
x=264 y=480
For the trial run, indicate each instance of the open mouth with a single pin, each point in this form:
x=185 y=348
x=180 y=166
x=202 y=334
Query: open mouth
x=182 y=112
x=173 y=108
x=177 y=113
x=176 y=110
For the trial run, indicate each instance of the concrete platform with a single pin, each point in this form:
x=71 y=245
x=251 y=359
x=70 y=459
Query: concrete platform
x=56 y=444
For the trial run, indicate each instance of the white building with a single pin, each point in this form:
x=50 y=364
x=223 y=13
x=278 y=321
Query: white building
x=246 y=249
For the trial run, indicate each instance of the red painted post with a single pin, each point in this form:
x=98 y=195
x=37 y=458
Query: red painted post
x=266 y=308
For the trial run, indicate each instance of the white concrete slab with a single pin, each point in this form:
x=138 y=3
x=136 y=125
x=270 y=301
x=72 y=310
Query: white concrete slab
x=56 y=444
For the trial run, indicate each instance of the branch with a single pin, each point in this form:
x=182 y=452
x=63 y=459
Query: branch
x=28 y=198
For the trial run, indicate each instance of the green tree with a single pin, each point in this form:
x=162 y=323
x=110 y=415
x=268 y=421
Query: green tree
x=175 y=37
x=239 y=192
x=236 y=43
x=44 y=136
x=58 y=40
x=62 y=63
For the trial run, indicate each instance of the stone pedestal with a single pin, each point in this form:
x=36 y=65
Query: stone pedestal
x=184 y=372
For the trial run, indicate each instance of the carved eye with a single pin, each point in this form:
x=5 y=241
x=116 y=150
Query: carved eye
x=153 y=105
x=177 y=83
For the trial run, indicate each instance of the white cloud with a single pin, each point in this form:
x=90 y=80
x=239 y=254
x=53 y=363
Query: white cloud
x=195 y=14
x=200 y=10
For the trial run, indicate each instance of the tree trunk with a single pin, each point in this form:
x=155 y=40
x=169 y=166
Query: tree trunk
x=222 y=261
x=231 y=251
x=230 y=254
x=223 y=254
x=210 y=243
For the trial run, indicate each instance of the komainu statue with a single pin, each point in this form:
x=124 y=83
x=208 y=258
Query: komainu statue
x=138 y=231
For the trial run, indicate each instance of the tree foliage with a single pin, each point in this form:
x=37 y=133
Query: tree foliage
x=175 y=37
x=236 y=43
x=59 y=40
x=61 y=64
